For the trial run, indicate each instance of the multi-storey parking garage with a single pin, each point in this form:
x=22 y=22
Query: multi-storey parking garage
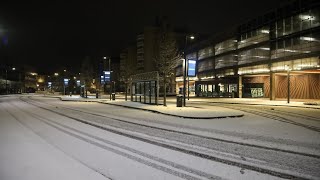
x=273 y=56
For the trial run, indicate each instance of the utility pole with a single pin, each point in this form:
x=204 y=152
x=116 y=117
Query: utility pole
x=6 y=80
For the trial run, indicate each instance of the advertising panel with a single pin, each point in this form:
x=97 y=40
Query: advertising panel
x=107 y=76
x=66 y=81
x=191 y=68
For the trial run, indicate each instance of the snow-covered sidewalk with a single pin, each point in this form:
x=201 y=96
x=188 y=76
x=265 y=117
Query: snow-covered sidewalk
x=170 y=109
x=303 y=103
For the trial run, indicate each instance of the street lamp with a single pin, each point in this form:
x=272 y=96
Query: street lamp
x=191 y=37
x=109 y=67
x=286 y=67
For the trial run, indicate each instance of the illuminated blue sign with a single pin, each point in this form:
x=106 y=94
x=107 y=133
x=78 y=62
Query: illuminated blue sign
x=102 y=80
x=78 y=82
x=191 y=68
x=107 y=76
x=66 y=81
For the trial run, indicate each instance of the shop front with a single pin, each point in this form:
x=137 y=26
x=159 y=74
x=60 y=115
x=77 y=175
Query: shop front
x=218 y=87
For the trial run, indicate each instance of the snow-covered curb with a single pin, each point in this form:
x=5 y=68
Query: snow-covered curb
x=170 y=110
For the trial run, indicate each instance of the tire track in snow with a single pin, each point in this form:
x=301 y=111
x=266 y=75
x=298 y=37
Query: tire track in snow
x=268 y=115
x=191 y=152
x=187 y=133
x=137 y=159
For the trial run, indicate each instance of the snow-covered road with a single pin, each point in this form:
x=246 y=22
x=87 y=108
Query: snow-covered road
x=43 y=138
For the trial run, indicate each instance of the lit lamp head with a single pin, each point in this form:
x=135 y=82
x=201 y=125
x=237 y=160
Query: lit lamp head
x=191 y=37
x=13 y=69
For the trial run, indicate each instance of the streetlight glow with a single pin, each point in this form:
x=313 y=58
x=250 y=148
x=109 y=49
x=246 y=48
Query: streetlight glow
x=104 y=57
x=56 y=74
x=191 y=37
x=13 y=69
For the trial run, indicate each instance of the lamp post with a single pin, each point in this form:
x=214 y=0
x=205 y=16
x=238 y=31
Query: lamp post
x=6 y=81
x=109 y=66
x=185 y=70
x=13 y=69
x=288 y=78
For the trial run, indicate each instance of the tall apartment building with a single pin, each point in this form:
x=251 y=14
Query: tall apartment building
x=147 y=48
x=128 y=64
x=273 y=56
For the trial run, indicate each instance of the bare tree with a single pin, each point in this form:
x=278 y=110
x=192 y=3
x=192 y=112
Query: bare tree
x=128 y=71
x=86 y=73
x=167 y=60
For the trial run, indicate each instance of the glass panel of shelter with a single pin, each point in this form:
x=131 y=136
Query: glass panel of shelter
x=144 y=92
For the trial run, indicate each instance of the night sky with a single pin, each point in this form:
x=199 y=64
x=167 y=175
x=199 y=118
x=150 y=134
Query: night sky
x=48 y=35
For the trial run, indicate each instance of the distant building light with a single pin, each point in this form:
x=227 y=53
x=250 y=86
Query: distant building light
x=56 y=74
x=265 y=31
x=13 y=69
